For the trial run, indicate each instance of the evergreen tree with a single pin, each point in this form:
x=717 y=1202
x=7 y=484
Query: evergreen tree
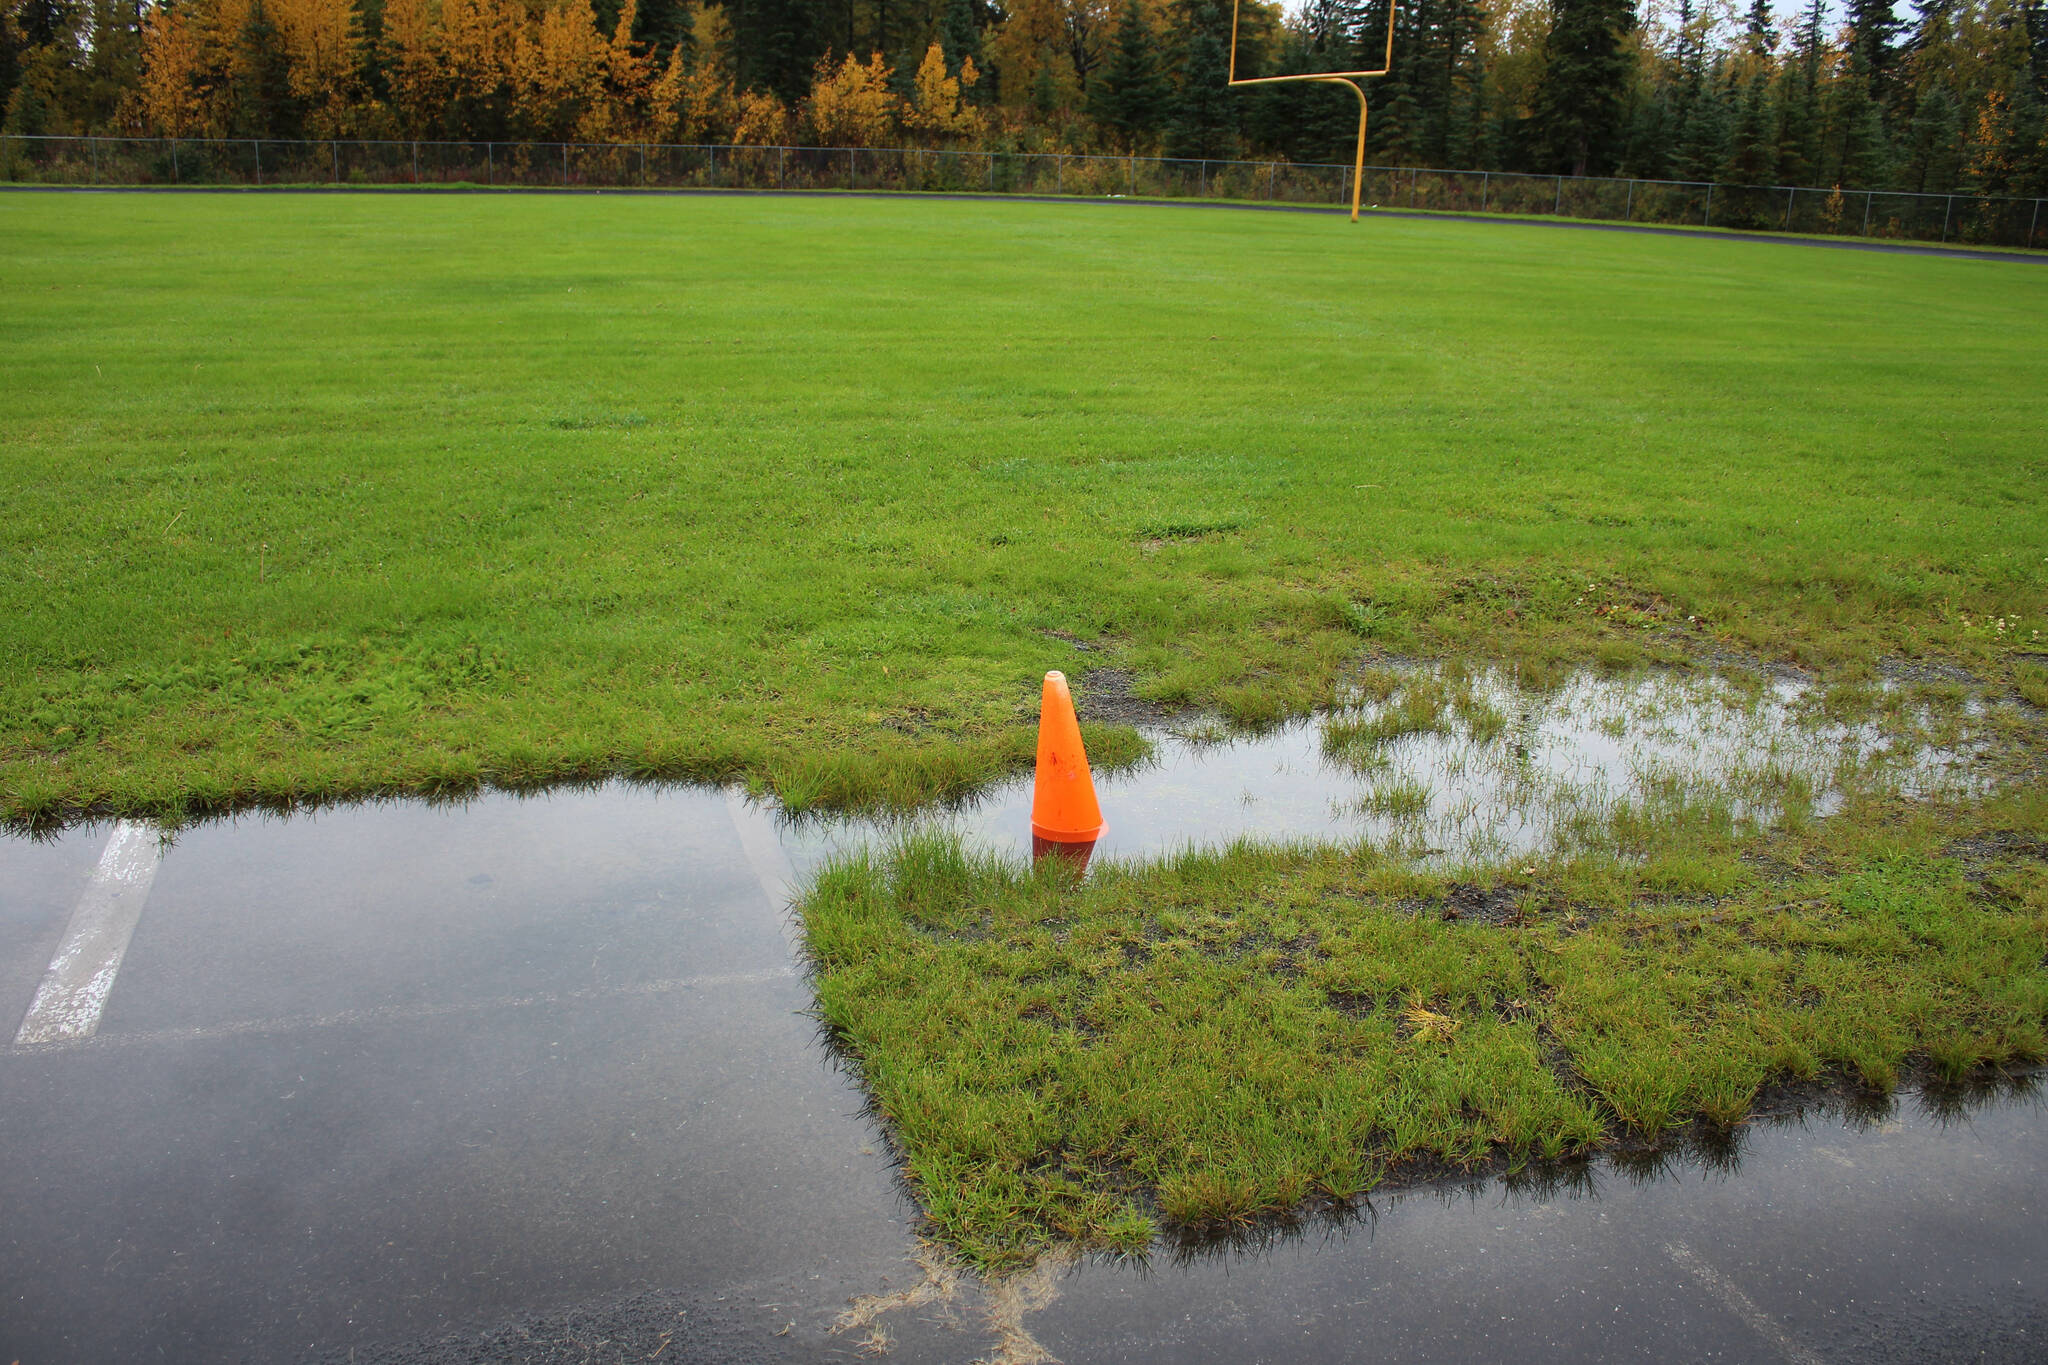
x=1752 y=147
x=1458 y=119
x=1129 y=95
x=960 y=35
x=113 y=65
x=1204 y=123
x=1752 y=157
x=47 y=23
x=1581 y=103
x=659 y=25
x=1648 y=148
x=1873 y=44
x=1799 y=124
x=779 y=46
x=1045 y=91
x=2035 y=16
x=1760 y=35
x=1865 y=160
x=1933 y=151
x=1703 y=142
x=263 y=103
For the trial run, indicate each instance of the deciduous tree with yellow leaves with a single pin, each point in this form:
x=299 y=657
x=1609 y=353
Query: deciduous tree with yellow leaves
x=936 y=111
x=851 y=104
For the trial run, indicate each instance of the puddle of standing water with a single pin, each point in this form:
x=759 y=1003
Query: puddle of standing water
x=1450 y=767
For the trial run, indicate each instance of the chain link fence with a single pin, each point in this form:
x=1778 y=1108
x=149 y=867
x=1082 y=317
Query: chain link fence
x=1965 y=218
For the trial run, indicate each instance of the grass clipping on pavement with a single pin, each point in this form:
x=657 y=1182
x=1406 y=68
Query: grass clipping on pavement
x=1233 y=1035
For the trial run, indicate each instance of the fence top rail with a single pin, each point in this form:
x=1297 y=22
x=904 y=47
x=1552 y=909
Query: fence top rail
x=421 y=143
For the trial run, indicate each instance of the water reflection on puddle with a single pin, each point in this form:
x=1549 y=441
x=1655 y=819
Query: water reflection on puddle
x=1452 y=767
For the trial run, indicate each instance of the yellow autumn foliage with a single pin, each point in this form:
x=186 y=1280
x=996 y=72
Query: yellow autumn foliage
x=935 y=108
x=851 y=105
x=172 y=101
x=323 y=46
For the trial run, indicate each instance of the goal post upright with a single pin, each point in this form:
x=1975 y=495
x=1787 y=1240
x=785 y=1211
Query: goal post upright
x=1349 y=79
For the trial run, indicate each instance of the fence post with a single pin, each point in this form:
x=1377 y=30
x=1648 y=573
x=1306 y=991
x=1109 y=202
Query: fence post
x=1414 y=186
x=1485 y=184
x=1628 y=211
x=2030 y=226
x=1868 y=197
x=1707 y=213
x=1791 y=196
x=334 y=160
x=1272 y=174
x=256 y=148
x=1946 y=210
x=174 y=169
x=714 y=167
x=565 y=165
x=780 y=152
x=94 y=143
x=1059 y=165
x=490 y=163
x=1557 y=204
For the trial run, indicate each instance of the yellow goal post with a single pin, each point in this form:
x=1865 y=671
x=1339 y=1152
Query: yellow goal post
x=1344 y=78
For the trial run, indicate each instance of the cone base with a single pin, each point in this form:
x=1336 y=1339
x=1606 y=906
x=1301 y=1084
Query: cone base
x=1067 y=836
x=1074 y=855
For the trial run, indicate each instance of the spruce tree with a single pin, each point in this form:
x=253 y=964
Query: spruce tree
x=46 y=23
x=960 y=35
x=1752 y=150
x=1933 y=151
x=1799 y=125
x=1581 y=103
x=1703 y=145
x=1873 y=44
x=2036 y=18
x=1647 y=151
x=1760 y=35
x=1752 y=156
x=661 y=24
x=263 y=103
x=1129 y=95
x=1204 y=118
x=1865 y=162
x=779 y=45
x=1045 y=91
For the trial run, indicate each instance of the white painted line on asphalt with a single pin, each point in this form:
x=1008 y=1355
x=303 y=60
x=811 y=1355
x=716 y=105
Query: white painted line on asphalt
x=1741 y=1305
x=389 y=1014
x=74 y=990
x=763 y=847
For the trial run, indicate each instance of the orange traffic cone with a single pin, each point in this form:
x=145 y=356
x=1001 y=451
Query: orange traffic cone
x=1063 y=805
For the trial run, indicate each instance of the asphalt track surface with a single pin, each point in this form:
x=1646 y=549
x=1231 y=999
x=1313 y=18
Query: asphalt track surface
x=533 y=1079
x=1119 y=201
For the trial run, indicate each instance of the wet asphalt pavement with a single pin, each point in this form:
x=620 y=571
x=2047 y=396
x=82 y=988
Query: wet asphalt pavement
x=533 y=1080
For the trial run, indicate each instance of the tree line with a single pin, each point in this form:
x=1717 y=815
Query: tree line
x=1952 y=98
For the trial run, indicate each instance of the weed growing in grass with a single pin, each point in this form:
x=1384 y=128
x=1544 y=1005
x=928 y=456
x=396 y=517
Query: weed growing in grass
x=2030 y=682
x=1404 y=799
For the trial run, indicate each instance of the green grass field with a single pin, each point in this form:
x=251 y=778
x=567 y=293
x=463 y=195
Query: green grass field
x=312 y=497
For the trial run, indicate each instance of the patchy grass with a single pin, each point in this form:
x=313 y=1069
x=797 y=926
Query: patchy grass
x=311 y=497
x=1228 y=1036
